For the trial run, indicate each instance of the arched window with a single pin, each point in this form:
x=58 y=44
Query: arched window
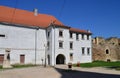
x=107 y=51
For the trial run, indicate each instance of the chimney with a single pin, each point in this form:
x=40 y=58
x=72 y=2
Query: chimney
x=88 y=31
x=35 y=11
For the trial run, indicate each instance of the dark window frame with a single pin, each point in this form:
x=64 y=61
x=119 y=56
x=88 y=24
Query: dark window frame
x=71 y=35
x=88 y=37
x=60 y=44
x=2 y=35
x=77 y=36
x=60 y=33
x=83 y=50
x=71 y=45
x=88 y=51
x=82 y=36
x=48 y=34
x=48 y=45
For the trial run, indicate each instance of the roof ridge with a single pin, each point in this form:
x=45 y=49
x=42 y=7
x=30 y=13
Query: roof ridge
x=25 y=10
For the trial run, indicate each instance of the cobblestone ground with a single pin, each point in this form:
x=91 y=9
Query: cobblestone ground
x=60 y=71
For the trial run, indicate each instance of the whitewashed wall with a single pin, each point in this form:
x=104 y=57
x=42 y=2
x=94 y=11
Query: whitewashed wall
x=31 y=43
x=77 y=47
x=21 y=40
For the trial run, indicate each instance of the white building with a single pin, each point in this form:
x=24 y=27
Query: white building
x=32 y=38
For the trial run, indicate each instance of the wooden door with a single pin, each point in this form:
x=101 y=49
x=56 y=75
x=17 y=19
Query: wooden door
x=22 y=59
x=1 y=58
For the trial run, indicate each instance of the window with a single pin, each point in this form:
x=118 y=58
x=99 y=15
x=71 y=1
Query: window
x=107 y=51
x=88 y=51
x=77 y=36
x=61 y=44
x=88 y=37
x=48 y=34
x=71 y=35
x=71 y=56
x=83 y=51
x=82 y=36
x=60 y=33
x=71 y=45
x=2 y=35
x=48 y=45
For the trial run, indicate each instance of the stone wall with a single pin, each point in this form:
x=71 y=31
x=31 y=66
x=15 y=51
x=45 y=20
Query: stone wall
x=106 y=49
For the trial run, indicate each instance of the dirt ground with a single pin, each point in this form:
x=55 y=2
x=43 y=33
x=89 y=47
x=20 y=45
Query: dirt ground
x=60 y=71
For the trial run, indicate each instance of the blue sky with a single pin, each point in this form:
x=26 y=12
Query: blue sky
x=101 y=17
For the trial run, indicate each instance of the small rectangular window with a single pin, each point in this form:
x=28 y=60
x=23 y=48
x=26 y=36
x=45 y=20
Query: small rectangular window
x=60 y=33
x=48 y=45
x=60 y=44
x=71 y=45
x=82 y=36
x=48 y=34
x=83 y=51
x=71 y=35
x=88 y=37
x=71 y=56
x=2 y=35
x=77 y=36
x=88 y=51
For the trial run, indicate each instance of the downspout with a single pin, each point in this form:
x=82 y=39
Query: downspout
x=36 y=45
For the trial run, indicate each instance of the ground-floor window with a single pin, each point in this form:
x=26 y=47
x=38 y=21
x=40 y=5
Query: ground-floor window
x=71 y=56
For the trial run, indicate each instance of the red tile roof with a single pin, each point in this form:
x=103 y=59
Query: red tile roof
x=23 y=17
x=80 y=31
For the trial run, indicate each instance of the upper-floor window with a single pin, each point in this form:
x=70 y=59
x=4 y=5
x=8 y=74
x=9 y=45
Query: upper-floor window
x=48 y=34
x=77 y=36
x=48 y=45
x=88 y=37
x=82 y=36
x=107 y=51
x=71 y=45
x=71 y=35
x=60 y=33
x=61 y=44
x=2 y=35
x=88 y=51
x=83 y=50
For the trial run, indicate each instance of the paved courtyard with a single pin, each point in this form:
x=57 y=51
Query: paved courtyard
x=60 y=71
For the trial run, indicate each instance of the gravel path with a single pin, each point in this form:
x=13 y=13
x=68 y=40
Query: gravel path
x=60 y=71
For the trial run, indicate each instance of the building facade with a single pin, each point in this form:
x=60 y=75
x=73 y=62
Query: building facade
x=31 y=38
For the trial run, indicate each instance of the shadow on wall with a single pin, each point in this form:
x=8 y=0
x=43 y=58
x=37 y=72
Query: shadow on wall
x=80 y=74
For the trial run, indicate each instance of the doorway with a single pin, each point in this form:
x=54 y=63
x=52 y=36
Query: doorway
x=60 y=59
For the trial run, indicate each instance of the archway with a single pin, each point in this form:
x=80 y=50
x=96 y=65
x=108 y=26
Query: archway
x=60 y=59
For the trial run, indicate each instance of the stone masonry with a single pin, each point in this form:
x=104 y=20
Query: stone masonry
x=106 y=49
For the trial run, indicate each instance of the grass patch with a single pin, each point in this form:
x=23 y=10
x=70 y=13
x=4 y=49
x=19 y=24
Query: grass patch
x=23 y=66
x=100 y=64
x=0 y=66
